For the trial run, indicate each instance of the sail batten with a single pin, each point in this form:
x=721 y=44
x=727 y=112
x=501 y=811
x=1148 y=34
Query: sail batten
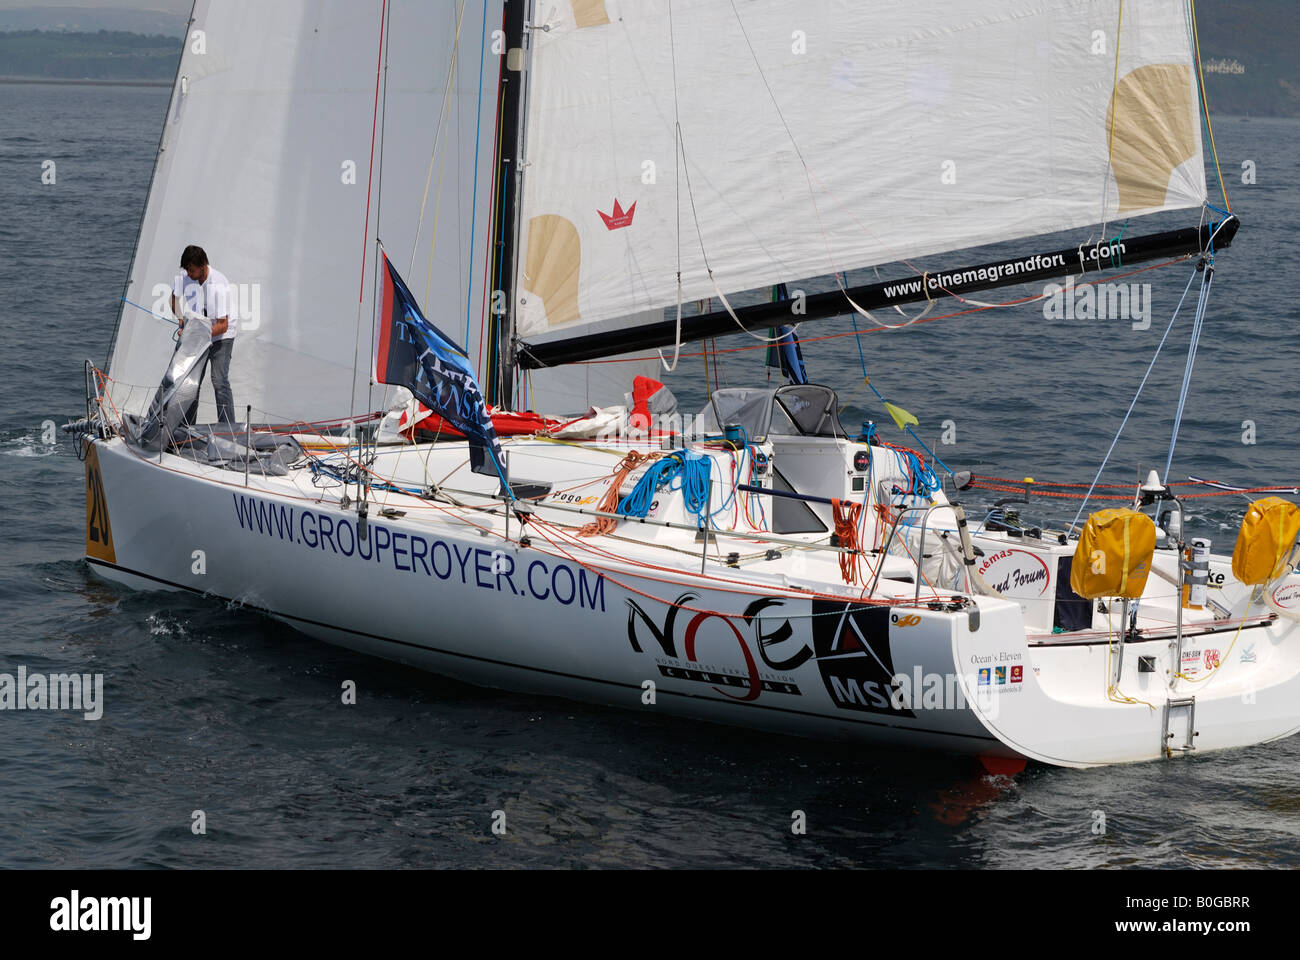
x=755 y=143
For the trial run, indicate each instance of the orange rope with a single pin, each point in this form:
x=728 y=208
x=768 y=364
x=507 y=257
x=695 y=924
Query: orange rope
x=846 y=531
x=602 y=526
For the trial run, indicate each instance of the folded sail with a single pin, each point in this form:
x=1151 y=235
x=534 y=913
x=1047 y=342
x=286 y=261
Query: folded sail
x=266 y=164
x=797 y=138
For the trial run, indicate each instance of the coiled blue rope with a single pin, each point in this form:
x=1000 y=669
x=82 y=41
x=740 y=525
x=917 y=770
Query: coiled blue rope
x=691 y=473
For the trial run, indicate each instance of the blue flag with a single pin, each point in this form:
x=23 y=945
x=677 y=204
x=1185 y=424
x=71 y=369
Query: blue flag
x=413 y=353
x=784 y=352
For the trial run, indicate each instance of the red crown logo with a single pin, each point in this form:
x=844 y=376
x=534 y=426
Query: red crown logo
x=620 y=218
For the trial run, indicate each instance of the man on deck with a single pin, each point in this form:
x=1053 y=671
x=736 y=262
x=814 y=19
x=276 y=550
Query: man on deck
x=202 y=295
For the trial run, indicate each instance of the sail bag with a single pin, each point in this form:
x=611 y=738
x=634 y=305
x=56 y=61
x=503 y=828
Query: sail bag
x=1265 y=543
x=1113 y=558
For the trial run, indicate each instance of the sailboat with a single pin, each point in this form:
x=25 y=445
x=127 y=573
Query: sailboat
x=515 y=210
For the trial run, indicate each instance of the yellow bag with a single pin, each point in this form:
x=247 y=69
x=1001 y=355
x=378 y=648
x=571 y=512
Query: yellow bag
x=1268 y=532
x=1113 y=558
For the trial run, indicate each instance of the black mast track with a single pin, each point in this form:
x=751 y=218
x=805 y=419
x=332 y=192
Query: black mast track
x=1083 y=259
x=505 y=235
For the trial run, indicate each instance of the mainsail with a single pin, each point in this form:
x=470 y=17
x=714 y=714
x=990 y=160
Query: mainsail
x=733 y=144
x=265 y=162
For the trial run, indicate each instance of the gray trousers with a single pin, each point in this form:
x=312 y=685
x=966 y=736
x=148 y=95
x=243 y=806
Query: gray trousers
x=219 y=360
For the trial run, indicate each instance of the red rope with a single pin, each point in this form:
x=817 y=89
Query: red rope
x=846 y=532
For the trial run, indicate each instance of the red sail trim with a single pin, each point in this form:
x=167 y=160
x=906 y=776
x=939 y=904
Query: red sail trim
x=385 y=326
x=506 y=424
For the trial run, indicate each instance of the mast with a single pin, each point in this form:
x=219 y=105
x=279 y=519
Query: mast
x=1031 y=268
x=510 y=173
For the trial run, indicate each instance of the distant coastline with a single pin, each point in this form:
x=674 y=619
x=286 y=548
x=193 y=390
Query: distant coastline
x=65 y=82
x=1248 y=55
x=111 y=56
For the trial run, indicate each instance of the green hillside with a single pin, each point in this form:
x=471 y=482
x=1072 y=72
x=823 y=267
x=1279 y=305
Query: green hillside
x=88 y=56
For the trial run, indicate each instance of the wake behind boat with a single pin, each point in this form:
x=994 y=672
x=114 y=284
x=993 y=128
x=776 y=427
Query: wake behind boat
x=756 y=563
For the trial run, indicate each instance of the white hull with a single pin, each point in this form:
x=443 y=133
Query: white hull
x=446 y=596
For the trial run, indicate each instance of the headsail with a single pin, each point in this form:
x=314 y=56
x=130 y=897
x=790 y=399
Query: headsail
x=265 y=163
x=755 y=143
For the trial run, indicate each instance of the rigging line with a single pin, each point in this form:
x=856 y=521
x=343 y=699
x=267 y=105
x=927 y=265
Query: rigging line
x=923 y=274
x=489 y=320
x=677 y=164
x=486 y=320
x=812 y=193
x=685 y=167
x=365 y=249
x=442 y=122
x=379 y=206
x=156 y=316
x=1151 y=366
x=437 y=210
x=1110 y=145
x=473 y=223
x=1207 y=281
x=1205 y=108
x=499 y=239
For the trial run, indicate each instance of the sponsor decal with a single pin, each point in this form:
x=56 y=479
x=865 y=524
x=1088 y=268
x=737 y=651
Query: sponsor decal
x=999 y=671
x=752 y=654
x=1211 y=659
x=1287 y=595
x=910 y=620
x=573 y=499
x=412 y=554
x=99 y=533
x=1016 y=572
x=1248 y=653
x=620 y=218
x=1191 y=664
x=853 y=655
x=731 y=667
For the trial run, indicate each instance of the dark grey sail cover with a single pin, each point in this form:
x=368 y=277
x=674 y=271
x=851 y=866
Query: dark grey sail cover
x=179 y=392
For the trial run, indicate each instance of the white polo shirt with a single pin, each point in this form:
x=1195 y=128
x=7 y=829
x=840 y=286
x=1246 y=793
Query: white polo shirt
x=211 y=300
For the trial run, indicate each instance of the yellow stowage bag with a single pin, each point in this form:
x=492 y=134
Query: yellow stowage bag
x=1113 y=558
x=1268 y=531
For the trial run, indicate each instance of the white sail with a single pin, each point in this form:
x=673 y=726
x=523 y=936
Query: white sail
x=574 y=388
x=819 y=136
x=265 y=163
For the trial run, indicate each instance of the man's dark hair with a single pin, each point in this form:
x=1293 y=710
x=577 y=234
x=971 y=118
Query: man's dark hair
x=193 y=257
